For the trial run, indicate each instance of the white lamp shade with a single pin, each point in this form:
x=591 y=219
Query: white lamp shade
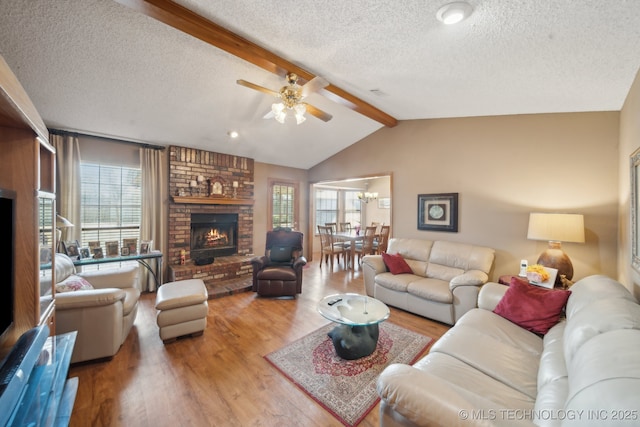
x=556 y=227
x=62 y=222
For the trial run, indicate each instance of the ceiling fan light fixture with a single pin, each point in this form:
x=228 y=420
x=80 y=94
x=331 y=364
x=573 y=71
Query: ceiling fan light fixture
x=278 y=111
x=300 y=109
x=453 y=13
x=291 y=97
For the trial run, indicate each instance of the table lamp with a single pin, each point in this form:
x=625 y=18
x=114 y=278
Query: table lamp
x=61 y=222
x=556 y=228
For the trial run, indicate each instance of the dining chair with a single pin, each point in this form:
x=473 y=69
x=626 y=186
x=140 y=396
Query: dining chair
x=330 y=249
x=345 y=227
x=365 y=246
x=336 y=239
x=333 y=225
x=382 y=242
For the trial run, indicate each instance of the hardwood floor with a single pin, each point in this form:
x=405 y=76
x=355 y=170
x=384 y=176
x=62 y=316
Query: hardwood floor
x=221 y=377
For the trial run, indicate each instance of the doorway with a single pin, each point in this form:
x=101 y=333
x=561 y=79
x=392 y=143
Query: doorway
x=361 y=201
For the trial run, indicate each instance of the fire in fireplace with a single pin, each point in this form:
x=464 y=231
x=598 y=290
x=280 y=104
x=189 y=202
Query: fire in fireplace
x=213 y=235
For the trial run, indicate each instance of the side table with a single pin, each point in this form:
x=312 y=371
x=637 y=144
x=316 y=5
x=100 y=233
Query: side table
x=505 y=279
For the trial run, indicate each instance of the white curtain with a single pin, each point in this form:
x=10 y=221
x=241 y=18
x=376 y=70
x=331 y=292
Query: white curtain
x=155 y=206
x=68 y=183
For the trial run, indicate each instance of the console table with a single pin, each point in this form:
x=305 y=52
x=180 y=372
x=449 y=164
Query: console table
x=35 y=390
x=142 y=259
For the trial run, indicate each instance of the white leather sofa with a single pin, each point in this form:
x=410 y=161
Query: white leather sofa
x=446 y=278
x=103 y=316
x=487 y=371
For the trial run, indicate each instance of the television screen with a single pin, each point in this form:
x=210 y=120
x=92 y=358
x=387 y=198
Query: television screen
x=7 y=246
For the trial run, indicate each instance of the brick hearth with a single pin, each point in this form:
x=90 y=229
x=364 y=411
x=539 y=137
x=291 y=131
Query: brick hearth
x=225 y=275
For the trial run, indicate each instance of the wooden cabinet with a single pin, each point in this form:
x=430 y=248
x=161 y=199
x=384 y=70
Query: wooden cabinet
x=27 y=166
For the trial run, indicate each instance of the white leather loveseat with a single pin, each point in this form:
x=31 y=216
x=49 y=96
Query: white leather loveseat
x=445 y=280
x=103 y=316
x=488 y=371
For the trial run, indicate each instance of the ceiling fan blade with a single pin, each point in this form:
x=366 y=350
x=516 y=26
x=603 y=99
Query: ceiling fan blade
x=314 y=111
x=314 y=85
x=258 y=88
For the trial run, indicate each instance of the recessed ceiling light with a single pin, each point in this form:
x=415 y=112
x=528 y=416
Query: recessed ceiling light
x=453 y=13
x=233 y=134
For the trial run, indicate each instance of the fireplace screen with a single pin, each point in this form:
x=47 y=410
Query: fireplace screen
x=213 y=235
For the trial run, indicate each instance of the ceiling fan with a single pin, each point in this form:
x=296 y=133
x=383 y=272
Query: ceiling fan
x=291 y=98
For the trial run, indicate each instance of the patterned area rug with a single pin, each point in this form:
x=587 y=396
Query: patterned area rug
x=346 y=388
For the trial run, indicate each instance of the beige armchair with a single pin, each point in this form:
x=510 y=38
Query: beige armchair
x=103 y=316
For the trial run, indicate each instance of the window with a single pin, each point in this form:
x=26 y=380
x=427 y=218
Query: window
x=111 y=203
x=283 y=207
x=352 y=208
x=326 y=206
x=337 y=206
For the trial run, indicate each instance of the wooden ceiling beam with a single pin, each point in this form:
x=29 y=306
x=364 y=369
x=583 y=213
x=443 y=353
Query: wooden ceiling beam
x=189 y=22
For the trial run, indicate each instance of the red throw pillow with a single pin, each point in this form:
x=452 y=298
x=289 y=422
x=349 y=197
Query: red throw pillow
x=531 y=307
x=396 y=264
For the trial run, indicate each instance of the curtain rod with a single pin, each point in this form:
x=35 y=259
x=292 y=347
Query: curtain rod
x=124 y=141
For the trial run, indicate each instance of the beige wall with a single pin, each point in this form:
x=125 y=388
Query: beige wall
x=263 y=172
x=503 y=168
x=629 y=142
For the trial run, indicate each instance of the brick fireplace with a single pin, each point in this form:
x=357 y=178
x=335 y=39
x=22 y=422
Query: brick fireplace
x=213 y=235
x=232 y=241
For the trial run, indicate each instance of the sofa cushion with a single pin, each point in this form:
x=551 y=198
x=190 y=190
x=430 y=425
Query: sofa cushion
x=396 y=264
x=73 y=283
x=508 y=364
x=553 y=380
x=431 y=289
x=443 y=272
x=553 y=365
x=594 y=288
x=605 y=375
x=534 y=308
x=122 y=277
x=599 y=317
x=398 y=283
x=132 y=295
x=462 y=256
x=477 y=387
x=440 y=391
x=410 y=248
x=486 y=323
x=64 y=267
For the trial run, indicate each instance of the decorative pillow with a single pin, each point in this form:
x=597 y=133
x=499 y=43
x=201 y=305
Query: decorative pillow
x=396 y=264
x=531 y=307
x=280 y=254
x=73 y=283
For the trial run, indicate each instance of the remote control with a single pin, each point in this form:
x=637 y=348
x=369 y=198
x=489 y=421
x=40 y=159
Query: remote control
x=334 y=301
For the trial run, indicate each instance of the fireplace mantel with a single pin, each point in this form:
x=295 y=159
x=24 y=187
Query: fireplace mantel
x=211 y=200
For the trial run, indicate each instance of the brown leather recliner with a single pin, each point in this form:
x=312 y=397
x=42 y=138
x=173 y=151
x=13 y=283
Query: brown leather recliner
x=279 y=271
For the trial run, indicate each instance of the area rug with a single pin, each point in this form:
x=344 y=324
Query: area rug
x=346 y=388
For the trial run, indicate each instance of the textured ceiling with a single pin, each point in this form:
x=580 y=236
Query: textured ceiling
x=98 y=67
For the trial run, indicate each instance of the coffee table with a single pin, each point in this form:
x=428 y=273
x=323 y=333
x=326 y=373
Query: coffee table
x=358 y=317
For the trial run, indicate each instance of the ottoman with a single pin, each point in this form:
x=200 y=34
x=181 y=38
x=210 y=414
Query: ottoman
x=182 y=309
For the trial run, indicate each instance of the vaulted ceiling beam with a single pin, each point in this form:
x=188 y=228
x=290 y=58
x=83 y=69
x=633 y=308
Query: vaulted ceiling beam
x=189 y=22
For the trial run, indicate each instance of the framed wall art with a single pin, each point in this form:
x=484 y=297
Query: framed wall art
x=384 y=203
x=438 y=212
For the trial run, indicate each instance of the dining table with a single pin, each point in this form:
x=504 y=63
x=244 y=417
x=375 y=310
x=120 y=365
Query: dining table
x=350 y=236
